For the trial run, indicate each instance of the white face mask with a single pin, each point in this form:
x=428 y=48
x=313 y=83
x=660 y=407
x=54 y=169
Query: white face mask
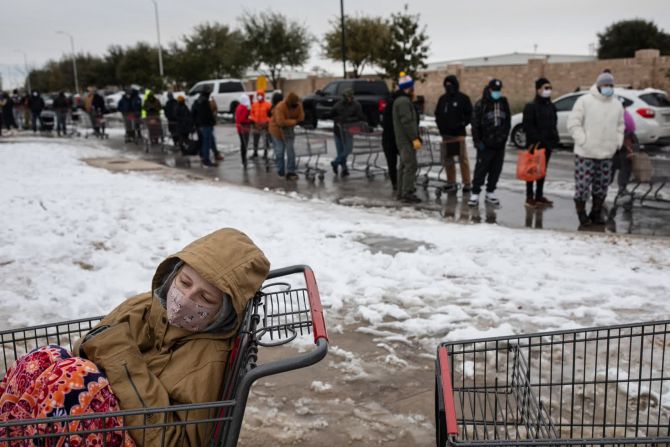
x=186 y=313
x=546 y=93
x=607 y=91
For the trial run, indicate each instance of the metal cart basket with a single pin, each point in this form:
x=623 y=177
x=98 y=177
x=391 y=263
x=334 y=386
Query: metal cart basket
x=287 y=306
x=597 y=386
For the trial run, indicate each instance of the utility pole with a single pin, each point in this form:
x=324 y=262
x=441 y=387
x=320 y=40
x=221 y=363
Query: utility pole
x=74 y=61
x=158 y=34
x=25 y=66
x=344 y=41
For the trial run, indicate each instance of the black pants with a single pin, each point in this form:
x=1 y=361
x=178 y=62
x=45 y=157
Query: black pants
x=488 y=168
x=539 y=190
x=244 y=143
x=257 y=138
x=391 y=153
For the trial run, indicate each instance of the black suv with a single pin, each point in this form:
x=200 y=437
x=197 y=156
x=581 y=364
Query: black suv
x=371 y=94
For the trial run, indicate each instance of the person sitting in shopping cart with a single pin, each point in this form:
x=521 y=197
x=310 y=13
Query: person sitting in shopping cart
x=161 y=348
x=349 y=119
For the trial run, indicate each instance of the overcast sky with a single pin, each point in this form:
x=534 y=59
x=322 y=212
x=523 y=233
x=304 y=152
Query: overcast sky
x=457 y=28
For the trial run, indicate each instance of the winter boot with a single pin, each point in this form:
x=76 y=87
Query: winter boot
x=580 y=206
x=596 y=215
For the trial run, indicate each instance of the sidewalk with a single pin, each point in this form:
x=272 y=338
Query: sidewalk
x=357 y=190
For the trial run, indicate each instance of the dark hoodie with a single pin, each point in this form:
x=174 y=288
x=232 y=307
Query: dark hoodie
x=202 y=111
x=491 y=121
x=539 y=123
x=454 y=109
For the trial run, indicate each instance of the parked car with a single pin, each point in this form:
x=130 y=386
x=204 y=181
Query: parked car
x=372 y=94
x=112 y=101
x=650 y=109
x=226 y=93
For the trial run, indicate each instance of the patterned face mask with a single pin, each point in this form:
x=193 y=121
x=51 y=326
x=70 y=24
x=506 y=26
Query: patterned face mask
x=186 y=313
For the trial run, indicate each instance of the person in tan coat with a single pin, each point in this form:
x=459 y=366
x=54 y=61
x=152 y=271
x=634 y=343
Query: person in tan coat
x=285 y=116
x=171 y=346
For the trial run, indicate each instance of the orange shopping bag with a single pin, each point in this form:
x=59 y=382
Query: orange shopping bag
x=531 y=164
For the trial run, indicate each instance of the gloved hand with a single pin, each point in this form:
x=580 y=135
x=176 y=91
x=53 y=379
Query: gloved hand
x=416 y=144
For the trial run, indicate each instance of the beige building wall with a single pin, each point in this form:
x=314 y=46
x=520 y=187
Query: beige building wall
x=646 y=69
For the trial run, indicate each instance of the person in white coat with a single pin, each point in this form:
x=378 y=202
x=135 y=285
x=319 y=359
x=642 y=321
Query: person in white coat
x=597 y=127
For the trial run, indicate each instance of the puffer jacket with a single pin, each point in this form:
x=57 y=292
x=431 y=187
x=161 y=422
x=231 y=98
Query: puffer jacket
x=491 y=122
x=150 y=363
x=283 y=115
x=596 y=124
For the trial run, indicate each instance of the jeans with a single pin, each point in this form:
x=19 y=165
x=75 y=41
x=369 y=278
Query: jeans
x=343 y=145
x=36 y=117
x=207 y=136
x=281 y=146
x=488 y=167
x=61 y=119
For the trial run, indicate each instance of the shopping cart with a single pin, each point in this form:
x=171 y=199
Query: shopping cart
x=309 y=147
x=95 y=124
x=366 y=149
x=131 y=123
x=288 y=306
x=153 y=134
x=597 y=386
x=430 y=167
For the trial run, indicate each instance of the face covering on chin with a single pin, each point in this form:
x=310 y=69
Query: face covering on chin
x=187 y=314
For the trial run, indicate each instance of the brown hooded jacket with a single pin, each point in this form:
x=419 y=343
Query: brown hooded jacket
x=150 y=363
x=284 y=115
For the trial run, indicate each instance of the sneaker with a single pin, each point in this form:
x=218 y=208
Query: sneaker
x=280 y=173
x=467 y=188
x=543 y=201
x=255 y=155
x=474 y=200
x=209 y=164
x=334 y=166
x=531 y=203
x=410 y=198
x=218 y=157
x=492 y=199
x=450 y=187
x=345 y=173
x=291 y=176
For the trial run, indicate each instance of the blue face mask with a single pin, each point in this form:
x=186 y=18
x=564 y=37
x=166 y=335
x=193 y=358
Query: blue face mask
x=496 y=95
x=607 y=91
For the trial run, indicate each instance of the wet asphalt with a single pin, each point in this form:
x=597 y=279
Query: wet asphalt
x=363 y=190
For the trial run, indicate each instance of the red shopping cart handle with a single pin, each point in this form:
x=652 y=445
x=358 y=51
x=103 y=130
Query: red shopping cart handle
x=447 y=390
x=316 y=309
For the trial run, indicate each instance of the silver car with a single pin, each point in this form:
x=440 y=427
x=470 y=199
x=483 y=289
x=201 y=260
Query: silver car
x=650 y=109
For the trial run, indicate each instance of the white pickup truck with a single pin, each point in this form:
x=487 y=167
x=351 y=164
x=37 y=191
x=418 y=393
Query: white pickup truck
x=226 y=93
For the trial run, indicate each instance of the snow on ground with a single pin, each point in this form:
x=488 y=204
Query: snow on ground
x=77 y=240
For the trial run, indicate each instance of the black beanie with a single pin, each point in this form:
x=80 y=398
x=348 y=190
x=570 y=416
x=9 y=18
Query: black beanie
x=540 y=82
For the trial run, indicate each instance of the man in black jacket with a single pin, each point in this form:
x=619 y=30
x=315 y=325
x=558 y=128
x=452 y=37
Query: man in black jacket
x=491 y=123
x=452 y=114
x=539 y=125
x=36 y=105
x=347 y=114
x=388 y=140
x=204 y=120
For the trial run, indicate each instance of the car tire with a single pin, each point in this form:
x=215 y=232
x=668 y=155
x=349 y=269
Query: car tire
x=233 y=107
x=518 y=137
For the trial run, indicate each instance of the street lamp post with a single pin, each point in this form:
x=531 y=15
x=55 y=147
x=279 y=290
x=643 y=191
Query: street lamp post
x=25 y=66
x=344 y=44
x=158 y=34
x=74 y=61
